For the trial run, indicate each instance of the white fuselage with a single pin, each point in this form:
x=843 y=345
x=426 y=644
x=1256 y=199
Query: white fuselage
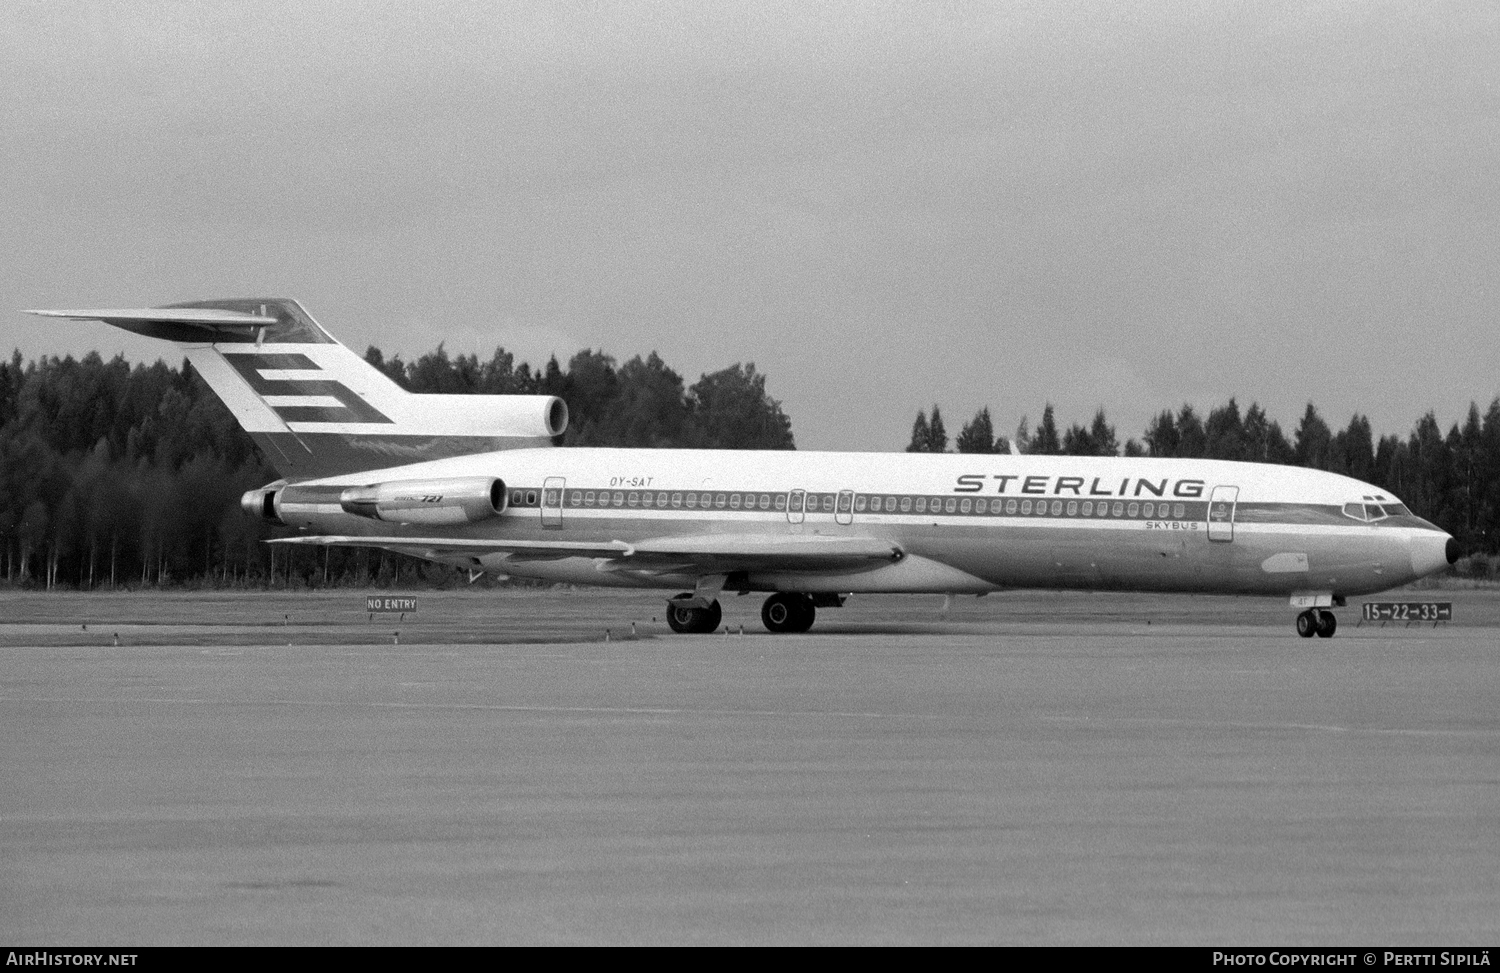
x=965 y=523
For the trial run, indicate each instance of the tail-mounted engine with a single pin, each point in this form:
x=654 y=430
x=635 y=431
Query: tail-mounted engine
x=434 y=503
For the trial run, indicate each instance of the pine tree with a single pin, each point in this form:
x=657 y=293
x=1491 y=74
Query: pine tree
x=921 y=435
x=978 y=436
x=1046 y=441
x=937 y=436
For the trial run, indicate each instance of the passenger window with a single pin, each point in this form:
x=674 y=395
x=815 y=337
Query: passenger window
x=692 y=501
x=1150 y=509
x=890 y=505
x=661 y=499
x=1119 y=509
x=859 y=503
x=965 y=506
x=1177 y=511
x=646 y=499
x=719 y=501
x=950 y=505
x=1088 y=508
x=828 y=503
x=1010 y=506
x=1134 y=509
x=906 y=505
x=765 y=501
x=921 y=505
x=781 y=501
x=1057 y=508
x=734 y=501
x=677 y=500
x=982 y=506
x=1072 y=508
x=531 y=498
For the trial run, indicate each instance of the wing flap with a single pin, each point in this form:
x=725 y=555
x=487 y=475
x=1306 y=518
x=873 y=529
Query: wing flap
x=705 y=553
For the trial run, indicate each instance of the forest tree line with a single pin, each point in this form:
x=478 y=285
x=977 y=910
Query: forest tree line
x=115 y=475
x=1452 y=479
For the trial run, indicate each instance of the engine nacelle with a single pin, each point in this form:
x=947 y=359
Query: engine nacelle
x=436 y=503
x=261 y=503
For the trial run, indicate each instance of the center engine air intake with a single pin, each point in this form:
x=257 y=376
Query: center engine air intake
x=437 y=503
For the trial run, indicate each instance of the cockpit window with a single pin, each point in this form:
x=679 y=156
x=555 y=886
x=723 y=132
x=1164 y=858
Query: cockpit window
x=1373 y=512
x=1355 y=510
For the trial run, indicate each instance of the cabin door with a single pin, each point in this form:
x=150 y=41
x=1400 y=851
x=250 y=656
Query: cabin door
x=843 y=511
x=552 y=501
x=1221 y=513
x=795 y=504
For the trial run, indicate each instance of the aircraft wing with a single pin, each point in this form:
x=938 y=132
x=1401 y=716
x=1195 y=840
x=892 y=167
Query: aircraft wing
x=700 y=554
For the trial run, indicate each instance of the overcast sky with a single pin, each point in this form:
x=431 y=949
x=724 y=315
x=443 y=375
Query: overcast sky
x=882 y=205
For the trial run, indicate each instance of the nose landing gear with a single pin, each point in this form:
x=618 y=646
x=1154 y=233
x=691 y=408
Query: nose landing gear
x=1317 y=621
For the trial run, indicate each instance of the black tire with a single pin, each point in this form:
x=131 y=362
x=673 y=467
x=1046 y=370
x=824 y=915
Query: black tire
x=779 y=613
x=1328 y=623
x=788 y=611
x=681 y=620
x=693 y=621
x=712 y=616
x=1307 y=624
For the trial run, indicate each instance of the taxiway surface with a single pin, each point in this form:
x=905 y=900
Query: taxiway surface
x=1024 y=769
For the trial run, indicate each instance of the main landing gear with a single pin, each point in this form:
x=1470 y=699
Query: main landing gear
x=788 y=611
x=693 y=621
x=1317 y=621
x=785 y=611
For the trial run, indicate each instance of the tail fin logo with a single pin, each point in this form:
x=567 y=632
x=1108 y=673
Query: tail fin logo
x=292 y=386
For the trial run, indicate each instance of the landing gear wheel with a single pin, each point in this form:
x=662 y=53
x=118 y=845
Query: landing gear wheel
x=788 y=611
x=1327 y=624
x=693 y=621
x=1307 y=624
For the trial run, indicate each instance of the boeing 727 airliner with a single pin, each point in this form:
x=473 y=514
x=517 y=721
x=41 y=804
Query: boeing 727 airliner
x=473 y=481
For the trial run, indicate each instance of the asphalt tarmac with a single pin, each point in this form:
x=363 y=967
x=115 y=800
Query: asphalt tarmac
x=1025 y=768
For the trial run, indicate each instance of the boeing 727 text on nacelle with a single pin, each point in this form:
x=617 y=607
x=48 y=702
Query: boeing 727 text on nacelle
x=474 y=481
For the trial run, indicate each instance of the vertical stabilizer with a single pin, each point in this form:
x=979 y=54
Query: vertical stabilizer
x=316 y=408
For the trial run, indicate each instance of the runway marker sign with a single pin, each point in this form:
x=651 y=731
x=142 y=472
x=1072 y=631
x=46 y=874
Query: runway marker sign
x=1407 y=611
x=390 y=604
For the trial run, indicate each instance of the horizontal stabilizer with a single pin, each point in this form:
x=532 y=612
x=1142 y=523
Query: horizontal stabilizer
x=212 y=319
x=242 y=320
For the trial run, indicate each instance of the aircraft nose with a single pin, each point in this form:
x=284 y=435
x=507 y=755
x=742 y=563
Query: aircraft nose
x=1432 y=552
